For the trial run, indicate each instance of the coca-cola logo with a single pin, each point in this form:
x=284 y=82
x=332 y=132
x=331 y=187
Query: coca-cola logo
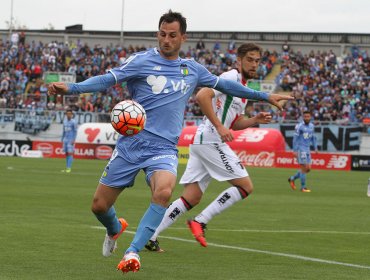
x=103 y=152
x=46 y=149
x=262 y=159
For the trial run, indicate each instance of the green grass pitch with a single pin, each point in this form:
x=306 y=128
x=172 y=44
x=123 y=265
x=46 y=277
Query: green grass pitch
x=48 y=232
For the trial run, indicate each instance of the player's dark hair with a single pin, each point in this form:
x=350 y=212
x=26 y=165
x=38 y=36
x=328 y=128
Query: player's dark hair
x=248 y=47
x=170 y=17
x=69 y=110
x=306 y=112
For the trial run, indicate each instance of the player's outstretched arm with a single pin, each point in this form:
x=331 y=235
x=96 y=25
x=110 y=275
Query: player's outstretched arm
x=278 y=99
x=260 y=118
x=236 y=89
x=57 y=88
x=93 y=84
x=204 y=98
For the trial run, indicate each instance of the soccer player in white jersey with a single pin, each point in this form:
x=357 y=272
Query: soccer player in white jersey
x=162 y=83
x=304 y=136
x=210 y=157
x=68 y=139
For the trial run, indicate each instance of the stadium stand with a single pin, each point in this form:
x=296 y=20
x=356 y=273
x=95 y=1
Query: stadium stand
x=335 y=88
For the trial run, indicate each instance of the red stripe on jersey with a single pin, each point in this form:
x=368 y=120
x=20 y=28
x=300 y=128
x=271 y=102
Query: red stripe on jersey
x=244 y=83
x=232 y=123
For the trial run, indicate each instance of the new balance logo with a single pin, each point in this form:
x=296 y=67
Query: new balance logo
x=157 y=68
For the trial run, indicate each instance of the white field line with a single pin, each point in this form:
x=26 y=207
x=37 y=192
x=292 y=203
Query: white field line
x=292 y=256
x=283 y=231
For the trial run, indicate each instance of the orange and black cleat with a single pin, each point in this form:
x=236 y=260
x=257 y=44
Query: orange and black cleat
x=197 y=229
x=130 y=262
x=291 y=183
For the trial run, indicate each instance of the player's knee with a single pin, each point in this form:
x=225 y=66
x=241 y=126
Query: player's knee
x=162 y=196
x=98 y=206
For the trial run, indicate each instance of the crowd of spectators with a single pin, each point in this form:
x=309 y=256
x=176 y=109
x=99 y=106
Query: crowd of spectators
x=23 y=64
x=333 y=88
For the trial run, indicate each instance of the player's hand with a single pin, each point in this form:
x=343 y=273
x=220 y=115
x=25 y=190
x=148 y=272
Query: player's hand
x=58 y=87
x=275 y=99
x=225 y=134
x=263 y=118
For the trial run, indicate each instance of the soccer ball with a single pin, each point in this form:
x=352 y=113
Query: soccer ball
x=128 y=117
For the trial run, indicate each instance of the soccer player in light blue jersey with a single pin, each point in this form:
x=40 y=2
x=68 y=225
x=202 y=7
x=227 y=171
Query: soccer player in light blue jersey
x=68 y=138
x=162 y=83
x=304 y=136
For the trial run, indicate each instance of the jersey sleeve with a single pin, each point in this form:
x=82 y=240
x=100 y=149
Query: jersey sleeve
x=130 y=68
x=206 y=78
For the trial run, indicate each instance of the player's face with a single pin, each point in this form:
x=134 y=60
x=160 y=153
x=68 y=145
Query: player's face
x=248 y=65
x=69 y=115
x=170 y=39
x=306 y=118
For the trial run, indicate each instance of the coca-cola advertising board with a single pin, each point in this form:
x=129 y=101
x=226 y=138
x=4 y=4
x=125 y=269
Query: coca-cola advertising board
x=256 y=158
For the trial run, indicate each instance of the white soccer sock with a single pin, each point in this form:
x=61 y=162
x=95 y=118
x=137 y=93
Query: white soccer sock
x=221 y=203
x=173 y=212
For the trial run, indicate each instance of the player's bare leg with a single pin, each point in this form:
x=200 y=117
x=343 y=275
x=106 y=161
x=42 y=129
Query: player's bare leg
x=103 y=208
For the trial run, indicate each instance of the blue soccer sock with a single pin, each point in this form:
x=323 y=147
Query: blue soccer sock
x=110 y=221
x=148 y=224
x=69 y=160
x=303 y=180
x=296 y=176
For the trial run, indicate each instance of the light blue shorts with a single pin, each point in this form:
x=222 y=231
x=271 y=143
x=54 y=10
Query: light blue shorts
x=304 y=157
x=143 y=151
x=68 y=147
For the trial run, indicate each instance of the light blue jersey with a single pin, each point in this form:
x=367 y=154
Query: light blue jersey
x=163 y=88
x=304 y=136
x=69 y=135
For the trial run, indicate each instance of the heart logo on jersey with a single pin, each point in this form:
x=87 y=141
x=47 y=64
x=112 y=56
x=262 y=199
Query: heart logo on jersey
x=157 y=83
x=92 y=133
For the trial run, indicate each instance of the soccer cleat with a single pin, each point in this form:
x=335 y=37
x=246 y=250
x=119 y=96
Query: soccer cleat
x=110 y=242
x=129 y=262
x=153 y=246
x=305 y=190
x=197 y=229
x=68 y=170
x=292 y=185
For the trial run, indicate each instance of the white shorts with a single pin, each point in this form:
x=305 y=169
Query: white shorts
x=209 y=161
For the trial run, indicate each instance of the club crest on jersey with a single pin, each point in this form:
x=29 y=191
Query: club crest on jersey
x=184 y=69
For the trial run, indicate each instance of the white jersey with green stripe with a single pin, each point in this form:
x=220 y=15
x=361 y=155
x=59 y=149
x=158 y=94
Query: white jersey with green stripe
x=227 y=109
